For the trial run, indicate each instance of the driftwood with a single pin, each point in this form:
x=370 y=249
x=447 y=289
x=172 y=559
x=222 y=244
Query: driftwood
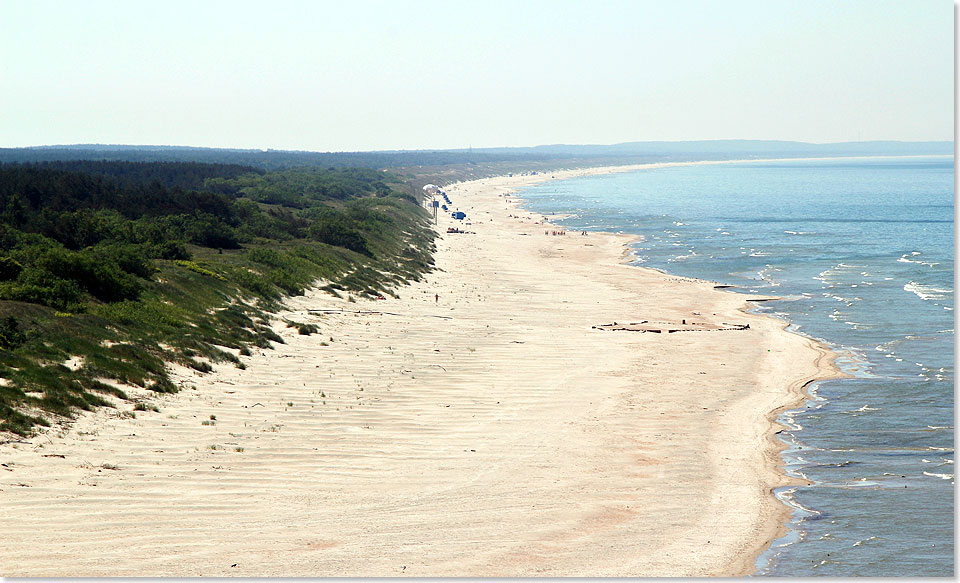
x=671 y=327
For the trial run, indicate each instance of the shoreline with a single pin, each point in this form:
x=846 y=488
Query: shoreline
x=797 y=392
x=490 y=431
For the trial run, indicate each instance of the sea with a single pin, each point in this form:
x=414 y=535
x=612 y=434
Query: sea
x=861 y=251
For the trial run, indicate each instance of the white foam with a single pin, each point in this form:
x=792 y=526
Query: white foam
x=830 y=276
x=941 y=476
x=941 y=462
x=847 y=301
x=927 y=292
x=692 y=253
x=903 y=259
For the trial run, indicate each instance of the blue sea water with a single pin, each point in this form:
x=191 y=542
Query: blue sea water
x=861 y=250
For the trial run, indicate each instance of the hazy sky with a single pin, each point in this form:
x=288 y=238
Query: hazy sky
x=357 y=75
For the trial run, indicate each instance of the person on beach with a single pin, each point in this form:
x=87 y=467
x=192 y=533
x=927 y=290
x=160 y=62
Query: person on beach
x=436 y=298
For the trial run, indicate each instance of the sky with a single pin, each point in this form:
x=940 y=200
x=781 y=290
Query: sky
x=362 y=75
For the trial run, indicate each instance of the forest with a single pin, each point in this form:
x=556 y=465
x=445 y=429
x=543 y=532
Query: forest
x=264 y=159
x=543 y=157
x=127 y=265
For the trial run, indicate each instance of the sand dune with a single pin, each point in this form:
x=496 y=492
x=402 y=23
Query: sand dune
x=494 y=432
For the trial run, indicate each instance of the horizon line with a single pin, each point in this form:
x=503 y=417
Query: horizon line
x=468 y=148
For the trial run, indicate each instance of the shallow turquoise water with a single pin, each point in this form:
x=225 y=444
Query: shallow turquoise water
x=863 y=252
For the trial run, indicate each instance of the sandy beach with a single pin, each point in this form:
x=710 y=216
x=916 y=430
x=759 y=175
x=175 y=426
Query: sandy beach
x=480 y=425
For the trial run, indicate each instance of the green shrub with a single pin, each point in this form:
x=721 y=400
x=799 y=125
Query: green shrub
x=339 y=235
x=153 y=315
x=198 y=365
x=270 y=335
x=101 y=277
x=39 y=287
x=9 y=268
x=307 y=329
x=170 y=250
x=255 y=283
x=207 y=230
x=266 y=256
x=10 y=335
x=192 y=266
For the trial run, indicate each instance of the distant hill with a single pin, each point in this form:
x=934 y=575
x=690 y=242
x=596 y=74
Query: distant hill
x=727 y=148
x=628 y=152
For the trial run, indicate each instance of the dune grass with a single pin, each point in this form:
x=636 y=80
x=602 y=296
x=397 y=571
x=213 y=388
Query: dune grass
x=200 y=311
